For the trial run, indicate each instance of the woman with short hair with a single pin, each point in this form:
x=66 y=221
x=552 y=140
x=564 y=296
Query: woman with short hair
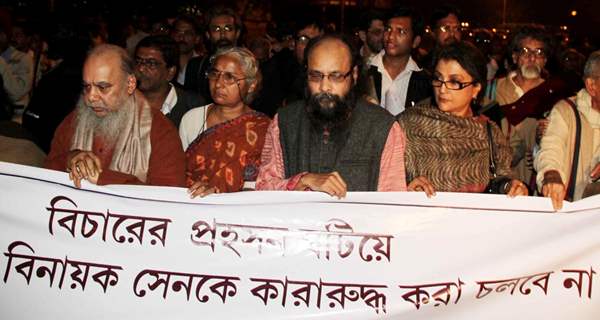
x=448 y=146
x=223 y=140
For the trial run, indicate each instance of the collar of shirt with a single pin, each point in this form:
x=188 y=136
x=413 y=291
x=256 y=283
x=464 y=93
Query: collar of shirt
x=377 y=61
x=170 y=101
x=511 y=79
x=412 y=65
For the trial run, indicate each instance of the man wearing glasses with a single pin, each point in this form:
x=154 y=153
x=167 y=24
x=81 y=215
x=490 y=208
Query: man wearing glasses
x=445 y=23
x=445 y=28
x=395 y=81
x=293 y=74
x=223 y=30
x=524 y=96
x=185 y=33
x=371 y=35
x=113 y=136
x=156 y=59
x=333 y=141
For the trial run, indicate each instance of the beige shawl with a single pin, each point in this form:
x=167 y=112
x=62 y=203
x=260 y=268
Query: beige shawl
x=131 y=153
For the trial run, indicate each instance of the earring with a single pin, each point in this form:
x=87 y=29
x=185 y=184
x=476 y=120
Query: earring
x=131 y=85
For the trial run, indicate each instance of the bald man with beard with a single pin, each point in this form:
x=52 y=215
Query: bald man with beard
x=113 y=136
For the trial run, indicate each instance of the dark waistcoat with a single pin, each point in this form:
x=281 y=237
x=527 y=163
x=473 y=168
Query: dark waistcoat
x=354 y=152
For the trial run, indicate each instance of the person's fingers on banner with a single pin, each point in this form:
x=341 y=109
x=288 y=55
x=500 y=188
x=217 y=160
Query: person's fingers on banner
x=422 y=184
x=330 y=183
x=517 y=188
x=556 y=192
x=83 y=164
x=340 y=183
x=92 y=164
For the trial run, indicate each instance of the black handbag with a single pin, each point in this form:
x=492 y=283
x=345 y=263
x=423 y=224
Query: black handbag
x=497 y=184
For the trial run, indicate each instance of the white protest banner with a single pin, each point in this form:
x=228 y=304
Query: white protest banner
x=135 y=252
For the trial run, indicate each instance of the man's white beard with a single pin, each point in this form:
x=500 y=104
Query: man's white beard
x=531 y=72
x=108 y=127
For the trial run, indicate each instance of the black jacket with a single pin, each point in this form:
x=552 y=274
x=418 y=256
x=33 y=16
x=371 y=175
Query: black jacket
x=186 y=100
x=419 y=86
x=195 y=77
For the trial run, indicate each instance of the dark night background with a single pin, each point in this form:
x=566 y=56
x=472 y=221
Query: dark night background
x=478 y=13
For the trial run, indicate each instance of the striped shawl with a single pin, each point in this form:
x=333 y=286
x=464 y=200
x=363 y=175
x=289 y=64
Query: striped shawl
x=452 y=152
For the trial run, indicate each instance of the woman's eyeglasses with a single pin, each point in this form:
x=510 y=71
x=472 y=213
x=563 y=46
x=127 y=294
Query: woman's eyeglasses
x=450 y=84
x=228 y=77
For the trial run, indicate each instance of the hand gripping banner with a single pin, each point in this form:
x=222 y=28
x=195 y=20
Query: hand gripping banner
x=139 y=252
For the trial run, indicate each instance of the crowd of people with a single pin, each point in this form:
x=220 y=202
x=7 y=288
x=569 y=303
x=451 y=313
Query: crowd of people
x=394 y=106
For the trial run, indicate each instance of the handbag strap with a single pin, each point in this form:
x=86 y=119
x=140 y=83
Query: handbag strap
x=492 y=150
x=575 y=163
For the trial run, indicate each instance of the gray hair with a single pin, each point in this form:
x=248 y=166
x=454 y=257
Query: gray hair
x=591 y=68
x=127 y=64
x=249 y=67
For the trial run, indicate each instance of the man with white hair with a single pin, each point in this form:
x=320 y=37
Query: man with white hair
x=530 y=51
x=558 y=175
x=113 y=136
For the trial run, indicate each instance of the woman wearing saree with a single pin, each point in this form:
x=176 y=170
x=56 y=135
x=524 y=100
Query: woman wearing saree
x=448 y=145
x=223 y=140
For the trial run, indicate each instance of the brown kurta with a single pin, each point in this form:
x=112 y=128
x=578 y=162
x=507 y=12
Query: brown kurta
x=166 y=164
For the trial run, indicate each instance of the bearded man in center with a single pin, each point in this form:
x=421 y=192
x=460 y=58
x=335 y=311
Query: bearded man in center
x=333 y=141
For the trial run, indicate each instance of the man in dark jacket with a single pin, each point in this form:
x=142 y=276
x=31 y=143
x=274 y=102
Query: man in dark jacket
x=223 y=30
x=57 y=93
x=156 y=60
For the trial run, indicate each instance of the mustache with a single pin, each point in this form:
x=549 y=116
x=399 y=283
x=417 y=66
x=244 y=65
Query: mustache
x=327 y=110
x=140 y=76
x=531 y=71
x=98 y=104
x=326 y=100
x=223 y=43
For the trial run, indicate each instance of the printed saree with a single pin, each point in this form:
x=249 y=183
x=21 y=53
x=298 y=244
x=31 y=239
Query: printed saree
x=227 y=154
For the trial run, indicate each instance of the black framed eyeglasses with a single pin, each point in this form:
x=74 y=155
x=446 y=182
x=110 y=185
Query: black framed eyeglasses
x=228 y=77
x=151 y=64
x=336 y=77
x=451 y=84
